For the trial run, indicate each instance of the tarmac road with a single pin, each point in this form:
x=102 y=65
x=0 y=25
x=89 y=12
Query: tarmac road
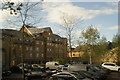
x=113 y=76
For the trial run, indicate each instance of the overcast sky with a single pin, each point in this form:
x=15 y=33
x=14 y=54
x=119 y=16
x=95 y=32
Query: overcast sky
x=103 y=15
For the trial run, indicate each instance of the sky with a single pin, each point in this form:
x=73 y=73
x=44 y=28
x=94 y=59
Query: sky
x=102 y=15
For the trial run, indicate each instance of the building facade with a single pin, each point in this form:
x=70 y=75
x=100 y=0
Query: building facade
x=31 y=45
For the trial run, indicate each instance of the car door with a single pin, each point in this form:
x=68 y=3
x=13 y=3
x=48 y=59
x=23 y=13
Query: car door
x=111 y=66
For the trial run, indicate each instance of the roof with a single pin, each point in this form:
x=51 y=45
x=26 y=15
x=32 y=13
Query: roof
x=35 y=30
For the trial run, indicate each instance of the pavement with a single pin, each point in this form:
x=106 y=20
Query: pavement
x=77 y=67
x=13 y=77
x=113 y=76
x=74 y=67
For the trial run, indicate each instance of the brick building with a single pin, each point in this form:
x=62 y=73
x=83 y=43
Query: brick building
x=31 y=45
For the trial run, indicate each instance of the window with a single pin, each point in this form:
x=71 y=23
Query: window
x=56 y=64
x=27 y=40
x=20 y=46
x=20 y=39
x=42 y=43
x=56 y=45
x=50 y=50
x=47 y=49
x=47 y=38
x=42 y=55
x=30 y=54
x=31 y=48
x=37 y=55
x=47 y=43
x=37 y=42
x=73 y=54
x=109 y=64
x=56 y=39
x=50 y=44
x=37 y=49
x=27 y=48
x=38 y=35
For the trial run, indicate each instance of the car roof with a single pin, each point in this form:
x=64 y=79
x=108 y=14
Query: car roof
x=109 y=63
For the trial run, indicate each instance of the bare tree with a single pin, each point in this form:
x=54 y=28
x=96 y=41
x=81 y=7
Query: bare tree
x=26 y=12
x=68 y=23
x=25 y=15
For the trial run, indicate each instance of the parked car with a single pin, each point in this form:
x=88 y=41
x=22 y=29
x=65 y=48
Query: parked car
x=74 y=75
x=24 y=66
x=97 y=71
x=6 y=73
x=37 y=73
x=61 y=77
x=95 y=68
x=35 y=76
x=36 y=66
x=15 y=69
x=53 y=65
x=89 y=75
x=111 y=66
x=104 y=69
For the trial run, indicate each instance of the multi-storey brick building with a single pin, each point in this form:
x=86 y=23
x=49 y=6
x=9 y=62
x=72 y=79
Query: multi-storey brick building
x=31 y=45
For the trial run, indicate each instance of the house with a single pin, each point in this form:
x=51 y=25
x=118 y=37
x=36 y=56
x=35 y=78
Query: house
x=31 y=45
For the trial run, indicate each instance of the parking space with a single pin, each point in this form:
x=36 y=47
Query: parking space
x=76 y=69
x=113 y=76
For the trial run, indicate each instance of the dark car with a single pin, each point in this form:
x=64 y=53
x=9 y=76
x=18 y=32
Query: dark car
x=104 y=69
x=95 y=68
x=61 y=77
x=97 y=71
x=74 y=75
x=15 y=69
x=35 y=76
x=89 y=75
x=6 y=73
x=39 y=74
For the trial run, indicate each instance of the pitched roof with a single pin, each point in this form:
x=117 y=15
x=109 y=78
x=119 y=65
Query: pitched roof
x=39 y=30
x=25 y=29
x=33 y=30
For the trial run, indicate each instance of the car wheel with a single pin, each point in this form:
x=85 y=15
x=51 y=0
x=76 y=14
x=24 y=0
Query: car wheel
x=118 y=70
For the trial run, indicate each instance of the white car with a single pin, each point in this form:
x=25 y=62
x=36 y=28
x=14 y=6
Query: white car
x=53 y=65
x=111 y=66
x=36 y=66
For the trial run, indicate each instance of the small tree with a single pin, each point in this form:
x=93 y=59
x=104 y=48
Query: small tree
x=90 y=37
x=116 y=40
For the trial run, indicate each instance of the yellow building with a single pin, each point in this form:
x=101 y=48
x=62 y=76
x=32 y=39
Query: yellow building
x=76 y=54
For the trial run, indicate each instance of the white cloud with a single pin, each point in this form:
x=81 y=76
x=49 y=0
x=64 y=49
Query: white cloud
x=77 y=33
x=113 y=28
x=108 y=28
x=113 y=4
x=56 y=0
x=55 y=10
x=3 y=15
